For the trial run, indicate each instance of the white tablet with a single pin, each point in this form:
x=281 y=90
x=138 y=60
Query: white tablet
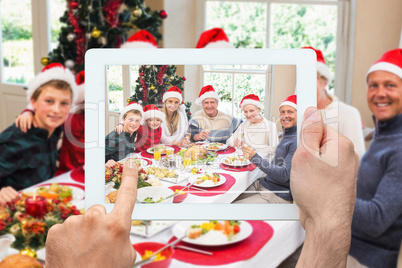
x=199 y=203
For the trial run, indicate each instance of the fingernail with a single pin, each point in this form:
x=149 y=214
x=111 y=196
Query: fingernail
x=312 y=114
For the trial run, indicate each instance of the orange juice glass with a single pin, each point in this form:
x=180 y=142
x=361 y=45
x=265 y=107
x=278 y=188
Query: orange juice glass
x=168 y=152
x=157 y=154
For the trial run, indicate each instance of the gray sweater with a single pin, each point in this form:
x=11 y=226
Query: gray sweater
x=377 y=218
x=278 y=171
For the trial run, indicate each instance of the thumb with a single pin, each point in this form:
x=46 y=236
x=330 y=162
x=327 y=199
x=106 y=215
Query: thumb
x=312 y=131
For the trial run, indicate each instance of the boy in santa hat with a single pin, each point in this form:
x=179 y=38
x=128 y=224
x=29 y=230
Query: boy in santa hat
x=257 y=131
x=150 y=133
x=119 y=145
x=335 y=113
x=30 y=158
x=377 y=216
x=275 y=186
x=210 y=123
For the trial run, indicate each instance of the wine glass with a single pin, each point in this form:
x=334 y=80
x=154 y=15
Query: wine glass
x=208 y=130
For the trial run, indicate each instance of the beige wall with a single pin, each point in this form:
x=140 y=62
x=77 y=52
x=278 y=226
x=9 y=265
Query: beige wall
x=378 y=29
x=284 y=86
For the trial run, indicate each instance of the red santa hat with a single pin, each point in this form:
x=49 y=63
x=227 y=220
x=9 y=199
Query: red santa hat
x=250 y=99
x=206 y=93
x=80 y=81
x=131 y=106
x=151 y=111
x=173 y=92
x=322 y=67
x=52 y=71
x=214 y=38
x=141 y=39
x=391 y=62
x=290 y=101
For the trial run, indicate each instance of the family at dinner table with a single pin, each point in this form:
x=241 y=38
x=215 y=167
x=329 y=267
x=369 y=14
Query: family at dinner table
x=373 y=234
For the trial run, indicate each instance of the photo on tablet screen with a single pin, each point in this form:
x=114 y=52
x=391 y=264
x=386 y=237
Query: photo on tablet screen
x=204 y=136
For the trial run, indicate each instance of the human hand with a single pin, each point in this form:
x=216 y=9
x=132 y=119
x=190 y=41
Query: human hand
x=25 y=121
x=185 y=142
x=248 y=152
x=110 y=163
x=97 y=239
x=7 y=194
x=203 y=135
x=119 y=128
x=238 y=143
x=323 y=185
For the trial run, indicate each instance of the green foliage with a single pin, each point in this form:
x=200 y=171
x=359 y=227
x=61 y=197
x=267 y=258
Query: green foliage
x=11 y=31
x=114 y=87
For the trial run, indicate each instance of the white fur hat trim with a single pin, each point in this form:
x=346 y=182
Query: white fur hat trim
x=207 y=95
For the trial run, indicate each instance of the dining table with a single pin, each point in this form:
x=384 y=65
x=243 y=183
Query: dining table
x=269 y=243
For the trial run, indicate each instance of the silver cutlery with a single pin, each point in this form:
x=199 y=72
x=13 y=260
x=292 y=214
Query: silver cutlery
x=194 y=250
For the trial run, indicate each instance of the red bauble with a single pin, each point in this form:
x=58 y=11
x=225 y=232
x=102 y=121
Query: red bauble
x=184 y=79
x=163 y=14
x=73 y=5
x=142 y=74
x=189 y=113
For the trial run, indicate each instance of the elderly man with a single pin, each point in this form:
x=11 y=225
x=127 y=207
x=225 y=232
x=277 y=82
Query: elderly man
x=335 y=113
x=377 y=218
x=275 y=186
x=210 y=123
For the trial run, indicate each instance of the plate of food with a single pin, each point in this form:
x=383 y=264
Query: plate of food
x=213 y=233
x=154 y=194
x=198 y=154
x=161 y=148
x=63 y=191
x=215 y=146
x=149 y=228
x=141 y=163
x=207 y=180
x=163 y=173
x=236 y=161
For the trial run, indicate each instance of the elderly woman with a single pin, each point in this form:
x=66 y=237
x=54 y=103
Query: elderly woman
x=257 y=132
x=174 y=128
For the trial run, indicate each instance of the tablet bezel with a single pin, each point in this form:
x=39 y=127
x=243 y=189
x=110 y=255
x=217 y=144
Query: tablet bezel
x=96 y=61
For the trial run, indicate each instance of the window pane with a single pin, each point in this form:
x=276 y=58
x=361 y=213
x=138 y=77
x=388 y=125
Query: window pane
x=115 y=87
x=244 y=23
x=223 y=85
x=17 y=45
x=249 y=84
x=57 y=9
x=295 y=26
x=134 y=72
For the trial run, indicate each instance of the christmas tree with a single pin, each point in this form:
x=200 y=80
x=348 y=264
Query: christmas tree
x=153 y=81
x=100 y=24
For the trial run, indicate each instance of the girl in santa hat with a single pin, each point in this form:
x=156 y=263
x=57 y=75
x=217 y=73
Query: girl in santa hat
x=30 y=158
x=150 y=133
x=257 y=132
x=176 y=123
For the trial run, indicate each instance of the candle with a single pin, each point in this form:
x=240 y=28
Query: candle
x=36 y=206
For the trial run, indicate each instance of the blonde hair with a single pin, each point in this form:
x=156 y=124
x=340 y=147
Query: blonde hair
x=172 y=125
x=58 y=84
x=135 y=112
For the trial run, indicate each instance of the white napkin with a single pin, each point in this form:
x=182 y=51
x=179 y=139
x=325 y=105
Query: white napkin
x=5 y=243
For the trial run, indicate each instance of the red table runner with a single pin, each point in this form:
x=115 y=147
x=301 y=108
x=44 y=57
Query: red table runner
x=228 y=150
x=221 y=189
x=244 y=250
x=250 y=167
x=148 y=155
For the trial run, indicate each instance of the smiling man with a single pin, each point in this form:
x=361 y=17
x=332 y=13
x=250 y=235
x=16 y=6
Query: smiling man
x=275 y=186
x=377 y=218
x=30 y=158
x=210 y=123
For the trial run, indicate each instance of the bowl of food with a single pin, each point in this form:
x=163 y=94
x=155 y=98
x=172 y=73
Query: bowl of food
x=183 y=193
x=162 y=260
x=154 y=194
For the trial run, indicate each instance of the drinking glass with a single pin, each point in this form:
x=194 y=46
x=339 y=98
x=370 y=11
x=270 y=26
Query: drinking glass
x=157 y=155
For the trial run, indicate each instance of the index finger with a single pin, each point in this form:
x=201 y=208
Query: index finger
x=127 y=194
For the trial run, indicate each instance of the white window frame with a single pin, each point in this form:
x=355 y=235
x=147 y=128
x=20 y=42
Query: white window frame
x=344 y=41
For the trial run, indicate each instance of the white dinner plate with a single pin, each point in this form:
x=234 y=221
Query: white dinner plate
x=212 y=238
x=78 y=193
x=144 y=163
x=221 y=147
x=236 y=163
x=154 y=227
x=150 y=150
x=207 y=183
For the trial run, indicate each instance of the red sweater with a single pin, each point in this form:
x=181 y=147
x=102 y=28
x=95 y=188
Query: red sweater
x=72 y=152
x=147 y=137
